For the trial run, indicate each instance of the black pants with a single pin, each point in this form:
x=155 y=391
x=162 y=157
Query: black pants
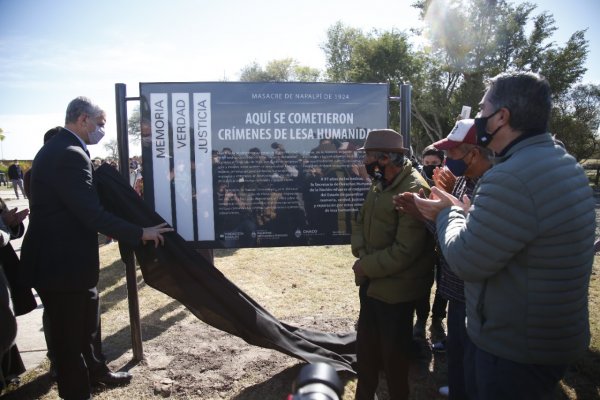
x=383 y=342
x=75 y=339
x=438 y=310
x=456 y=344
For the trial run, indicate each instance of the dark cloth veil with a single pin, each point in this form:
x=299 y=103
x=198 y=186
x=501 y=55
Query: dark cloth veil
x=183 y=274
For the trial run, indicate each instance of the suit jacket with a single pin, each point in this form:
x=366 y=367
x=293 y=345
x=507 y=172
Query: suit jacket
x=60 y=248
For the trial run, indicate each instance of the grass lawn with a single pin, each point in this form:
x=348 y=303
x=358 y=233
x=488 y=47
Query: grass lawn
x=308 y=286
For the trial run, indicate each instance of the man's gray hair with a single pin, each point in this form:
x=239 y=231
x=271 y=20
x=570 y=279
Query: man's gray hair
x=82 y=105
x=526 y=95
x=486 y=152
x=395 y=158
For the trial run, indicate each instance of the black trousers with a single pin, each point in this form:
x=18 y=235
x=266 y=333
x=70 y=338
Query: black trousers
x=438 y=310
x=383 y=341
x=75 y=339
x=456 y=344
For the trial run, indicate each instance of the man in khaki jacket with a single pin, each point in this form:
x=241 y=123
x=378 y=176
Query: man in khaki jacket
x=394 y=266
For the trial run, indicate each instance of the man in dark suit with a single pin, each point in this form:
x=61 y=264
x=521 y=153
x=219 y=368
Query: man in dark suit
x=60 y=251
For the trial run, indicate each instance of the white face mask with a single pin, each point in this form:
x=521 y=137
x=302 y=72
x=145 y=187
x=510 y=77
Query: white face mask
x=96 y=135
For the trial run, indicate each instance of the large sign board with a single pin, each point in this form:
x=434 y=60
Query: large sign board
x=234 y=164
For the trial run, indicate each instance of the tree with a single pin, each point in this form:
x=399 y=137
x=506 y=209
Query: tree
x=112 y=148
x=338 y=50
x=576 y=119
x=354 y=56
x=493 y=39
x=2 y=137
x=467 y=42
x=284 y=70
x=133 y=126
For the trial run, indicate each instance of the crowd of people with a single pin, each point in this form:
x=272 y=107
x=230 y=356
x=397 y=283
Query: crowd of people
x=497 y=213
x=513 y=220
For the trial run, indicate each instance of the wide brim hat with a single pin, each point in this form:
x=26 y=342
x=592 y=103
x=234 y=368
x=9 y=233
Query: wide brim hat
x=386 y=140
x=464 y=131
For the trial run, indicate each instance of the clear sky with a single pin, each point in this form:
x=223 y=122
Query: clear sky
x=52 y=51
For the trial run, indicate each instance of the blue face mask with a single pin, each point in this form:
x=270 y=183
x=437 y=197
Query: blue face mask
x=457 y=167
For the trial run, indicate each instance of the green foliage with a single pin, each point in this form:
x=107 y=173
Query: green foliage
x=493 y=39
x=563 y=67
x=284 y=70
x=575 y=120
x=111 y=146
x=467 y=42
x=353 y=56
x=338 y=49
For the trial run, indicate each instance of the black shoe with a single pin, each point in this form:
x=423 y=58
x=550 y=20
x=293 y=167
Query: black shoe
x=110 y=378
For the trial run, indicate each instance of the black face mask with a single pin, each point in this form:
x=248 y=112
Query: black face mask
x=428 y=169
x=483 y=137
x=375 y=170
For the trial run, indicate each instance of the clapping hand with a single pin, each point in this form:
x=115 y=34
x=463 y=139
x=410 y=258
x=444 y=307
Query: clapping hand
x=444 y=179
x=438 y=200
x=405 y=202
x=13 y=217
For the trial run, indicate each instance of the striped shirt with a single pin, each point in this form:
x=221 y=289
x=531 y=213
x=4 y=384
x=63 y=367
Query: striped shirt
x=450 y=286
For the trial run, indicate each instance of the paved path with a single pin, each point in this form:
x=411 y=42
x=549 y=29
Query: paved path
x=30 y=336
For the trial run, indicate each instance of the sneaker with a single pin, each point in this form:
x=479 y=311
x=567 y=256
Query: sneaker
x=444 y=391
x=439 y=347
x=419 y=329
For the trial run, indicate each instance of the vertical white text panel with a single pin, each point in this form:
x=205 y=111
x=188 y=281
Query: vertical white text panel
x=159 y=118
x=205 y=209
x=182 y=166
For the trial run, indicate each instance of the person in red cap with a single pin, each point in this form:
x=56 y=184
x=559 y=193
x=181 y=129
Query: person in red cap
x=394 y=267
x=471 y=161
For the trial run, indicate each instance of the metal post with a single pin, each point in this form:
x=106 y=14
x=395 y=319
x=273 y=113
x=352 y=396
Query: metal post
x=405 y=104
x=127 y=253
x=122 y=134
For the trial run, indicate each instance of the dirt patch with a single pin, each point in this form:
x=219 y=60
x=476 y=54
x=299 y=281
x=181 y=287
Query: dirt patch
x=198 y=361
